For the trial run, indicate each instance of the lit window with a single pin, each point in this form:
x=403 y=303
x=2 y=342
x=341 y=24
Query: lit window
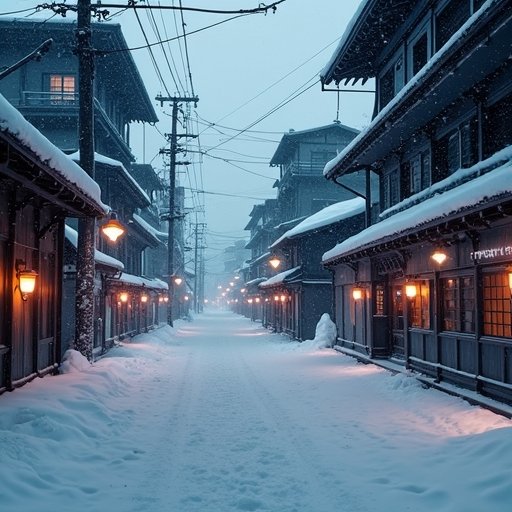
x=62 y=89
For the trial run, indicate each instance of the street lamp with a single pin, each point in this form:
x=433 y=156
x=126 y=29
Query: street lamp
x=439 y=256
x=26 y=278
x=112 y=229
x=274 y=262
x=178 y=280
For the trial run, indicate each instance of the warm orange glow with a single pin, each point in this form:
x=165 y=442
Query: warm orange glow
x=257 y=299
x=160 y=299
x=411 y=290
x=27 y=280
x=274 y=262
x=113 y=229
x=439 y=256
x=357 y=293
x=249 y=301
x=178 y=280
x=123 y=297
x=144 y=298
x=283 y=298
x=510 y=281
x=166 y=299
x=276 y=297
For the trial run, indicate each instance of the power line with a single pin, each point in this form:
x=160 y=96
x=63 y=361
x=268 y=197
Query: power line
x=35 y=9
x=186 y=48
x=228 y=195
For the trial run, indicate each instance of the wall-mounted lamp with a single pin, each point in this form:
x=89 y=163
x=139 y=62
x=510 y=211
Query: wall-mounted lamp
x=357 y=293
x=123 y=297
x=257 y=300
x=166 y=299
x=144 y=298
x=276 y=298
x=178 y=280
x=249 y=301
x=274 y=262
x=283 y=298
x=439 y=256
x=26 y=279
x=411 y=290
x=112 y=229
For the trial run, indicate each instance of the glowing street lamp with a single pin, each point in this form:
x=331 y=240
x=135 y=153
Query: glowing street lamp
x=357 y=293
x=274 y=262
x=123 y=297
x=439 y=256
x=411 y=291
x=26 y=278
x=112 y=229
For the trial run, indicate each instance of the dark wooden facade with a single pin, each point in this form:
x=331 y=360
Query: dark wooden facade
x=440 y=142
x=39 y=187
x=308 y=293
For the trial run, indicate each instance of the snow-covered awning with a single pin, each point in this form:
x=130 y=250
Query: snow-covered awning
x=83 y=193
x=281 y=278
x=130 y=279
x=326 y=217
x=480 y=192
x=102 y=159
x=99 y=257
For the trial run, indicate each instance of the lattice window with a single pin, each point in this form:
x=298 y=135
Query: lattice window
x=497 y=319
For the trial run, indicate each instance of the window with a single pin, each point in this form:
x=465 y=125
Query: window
x=320 y=158
x=62 y=89
x=456 y=150
x=420 y=306
x=458 y=302
x=498 y=129
x=496 y=305
x=420 y=172
x=450 y=19
x=391 y=189
x=379 y=300
x=419 y=53
x=391 y=82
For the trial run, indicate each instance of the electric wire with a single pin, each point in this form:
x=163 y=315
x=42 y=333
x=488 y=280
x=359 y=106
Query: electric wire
x=183 y=24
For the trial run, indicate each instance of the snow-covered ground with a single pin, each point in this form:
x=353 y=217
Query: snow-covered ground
x=219 y=415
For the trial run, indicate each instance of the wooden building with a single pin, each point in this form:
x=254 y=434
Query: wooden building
x=440 y=141
x=296 y=298
x=39 y=187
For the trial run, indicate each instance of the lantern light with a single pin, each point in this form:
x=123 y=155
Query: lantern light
x=257 y=300
x=283 y=298
x=186 y=297
x=112 y=229
x=439 y=256
x=178 y=280
x=243 y=290
x=232 y=284
x=144 y=298
x=249 y=301
x=123 y=297
x=274 y=262
x=276 y=298
x=166 y=299
x=357 y=293
x=411 y=290
x=26 y=278
x=160 y=299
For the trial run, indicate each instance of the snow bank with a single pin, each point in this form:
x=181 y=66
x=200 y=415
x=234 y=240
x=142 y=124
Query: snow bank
x=325 y=334
x=73 y=361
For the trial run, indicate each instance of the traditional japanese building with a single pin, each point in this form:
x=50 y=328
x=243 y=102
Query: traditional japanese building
x=430 y=284
x=39 y=187
x=295 y=298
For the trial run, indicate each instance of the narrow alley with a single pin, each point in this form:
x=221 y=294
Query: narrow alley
x=220 y=415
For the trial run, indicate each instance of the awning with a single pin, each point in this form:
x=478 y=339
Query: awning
x=281 y=278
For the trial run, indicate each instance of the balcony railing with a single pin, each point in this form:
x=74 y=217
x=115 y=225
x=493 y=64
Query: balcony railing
x=46 y=98
x=304 y=168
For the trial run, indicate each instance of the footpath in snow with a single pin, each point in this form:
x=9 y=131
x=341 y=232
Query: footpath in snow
x=219 y=415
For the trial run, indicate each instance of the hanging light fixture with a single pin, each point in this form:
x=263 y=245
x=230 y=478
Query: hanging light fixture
x=439 y=256
x=26 y=278
x=274 y=262
x=178 y=280
x=411 y=290
x=144 y=298
x=113 y=229
x=357 y=293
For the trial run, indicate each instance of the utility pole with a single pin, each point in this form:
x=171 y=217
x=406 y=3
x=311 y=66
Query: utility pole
x=175 y=100
x=84 y=302
x=197 y=265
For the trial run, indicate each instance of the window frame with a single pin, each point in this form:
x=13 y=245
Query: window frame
x=391 y=67
x=61 y=96
x=459 y=318
x=424 y=29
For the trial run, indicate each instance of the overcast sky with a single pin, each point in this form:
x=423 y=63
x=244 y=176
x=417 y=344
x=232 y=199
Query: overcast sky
x=231 y=64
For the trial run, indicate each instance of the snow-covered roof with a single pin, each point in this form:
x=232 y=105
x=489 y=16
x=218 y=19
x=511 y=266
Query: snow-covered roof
x=329 y=215
x=279 y=278
x=260 y=258
x=258 y=280
x=156 y=284
x=99 y=257
x=456 y=40
x=464 y=198
x=71 y=174
x=152 y=232
x=102 y=159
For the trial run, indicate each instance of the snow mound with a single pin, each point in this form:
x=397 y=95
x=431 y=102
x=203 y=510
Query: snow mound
x=73 y=361
x=404 y=381
x=325 y=334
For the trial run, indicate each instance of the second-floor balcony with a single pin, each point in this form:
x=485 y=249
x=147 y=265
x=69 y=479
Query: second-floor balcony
x=312 y=168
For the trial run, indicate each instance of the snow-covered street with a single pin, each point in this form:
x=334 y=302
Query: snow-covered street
x=220 y=415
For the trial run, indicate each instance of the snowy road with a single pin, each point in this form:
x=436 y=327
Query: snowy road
x=222 y=416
